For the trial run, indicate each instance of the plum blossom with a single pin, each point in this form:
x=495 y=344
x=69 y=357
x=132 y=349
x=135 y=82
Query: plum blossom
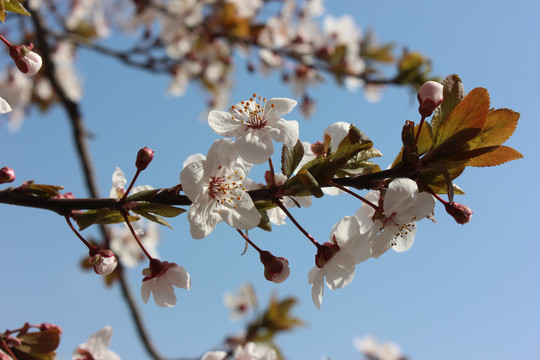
x=241 y=302
x=348 y=247
x=104 y=261
x=126 y=248
x=119 y=182
x=160 y=279
x=378 y=351
x=215 y=185
x=254 y=351
x=402 y=206
x=96 y=347
x=255 y=123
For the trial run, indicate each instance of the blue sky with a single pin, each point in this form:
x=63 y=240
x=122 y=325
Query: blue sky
x=467 y=292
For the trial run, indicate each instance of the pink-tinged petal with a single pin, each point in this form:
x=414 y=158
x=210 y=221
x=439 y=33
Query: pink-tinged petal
x=222 y=154
x=191 y=179
x=283 y=131
x=405 y=242
x=179 y=277
x=203 y=218
x=118 y=182
x=316 y=279
x=33 y=61
x=225 y=124
x=163 y=292
x=146 y=287
x=340 y=270
x=282 y=106
x=242 y=215
x=255 y=147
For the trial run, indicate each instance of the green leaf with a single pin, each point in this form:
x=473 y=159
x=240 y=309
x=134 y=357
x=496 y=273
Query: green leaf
x=159 y=209
x=143 y=195
x=310 y=183
x=265 y=223
x=291 y=157
x=152 y=217
x=101 y=216
x=14 y=6
x=40 y=190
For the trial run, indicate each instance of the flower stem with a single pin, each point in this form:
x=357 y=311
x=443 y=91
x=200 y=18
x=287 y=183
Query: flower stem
x=68 y=220
x=249 y=241
x=418 y=133
x=130 y=185
x=364 y=200
x=289 y=215
x=272 y=174
x=128 y=223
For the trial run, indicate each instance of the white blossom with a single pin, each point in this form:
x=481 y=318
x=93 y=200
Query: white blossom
x=160 y=280
x=241 y=302
x=216 y=188
x=254 y=351
x=255 y=123
x=96 y=347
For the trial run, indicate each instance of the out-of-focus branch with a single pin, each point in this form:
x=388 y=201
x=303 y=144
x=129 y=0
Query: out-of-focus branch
x=80 y=137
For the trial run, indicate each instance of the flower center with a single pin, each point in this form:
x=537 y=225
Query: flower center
x=399 y=230
x=252 y=112
x=226 y=189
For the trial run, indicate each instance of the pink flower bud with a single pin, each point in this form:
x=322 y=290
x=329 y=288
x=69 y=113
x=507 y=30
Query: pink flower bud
x=276 y=269
x=144 y=157
x=325 y=252
x=430 y=95
x=7 y=175
x=461 y=213
x=47 y=326
x=104 y=261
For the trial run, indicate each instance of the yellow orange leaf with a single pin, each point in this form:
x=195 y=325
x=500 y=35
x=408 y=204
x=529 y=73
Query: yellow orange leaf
x=470 y=113
x=500 y=125
x=498 y=156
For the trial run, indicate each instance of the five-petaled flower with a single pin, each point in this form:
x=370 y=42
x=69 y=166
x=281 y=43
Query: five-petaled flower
x=215 y=185
x=97 y=347
x=160 y=279
x=255 y=123
x=402 y=206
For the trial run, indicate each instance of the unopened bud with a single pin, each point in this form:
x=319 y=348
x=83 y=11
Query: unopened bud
x=47 y=326
x=430 y=95
x=104 y=261
x=276 y=269
x=325 y=252
x=461 y=213
x=144 y=157
x=7 y=175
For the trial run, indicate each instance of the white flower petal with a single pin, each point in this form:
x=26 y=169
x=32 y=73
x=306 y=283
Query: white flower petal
x=146 y=287
x=282 y=106
x=203 y=217
x=191 y=179
x=222 y=154
x=163 y=292
x=340 y=270
x=255 y=147
x=346 y=231
x=179 y=277
x=316 y=279
x=243 y=215
x=225 y=124
x=4 y=106
x=405 y=242
x=283 y=131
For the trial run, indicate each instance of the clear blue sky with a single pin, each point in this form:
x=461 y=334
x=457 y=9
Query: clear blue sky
x=461 y=292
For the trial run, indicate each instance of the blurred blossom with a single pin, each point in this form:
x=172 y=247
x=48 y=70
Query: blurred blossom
x=241 y=302
x=126 y=247
x=96 y=347
x=254 y=351
x=374 y=350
